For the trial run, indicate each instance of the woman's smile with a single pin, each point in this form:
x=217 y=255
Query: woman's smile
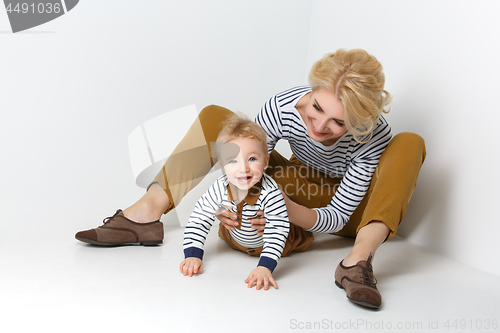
x=317 y=133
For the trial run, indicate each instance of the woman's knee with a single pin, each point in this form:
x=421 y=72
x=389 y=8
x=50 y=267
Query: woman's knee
x=409 y=142
x=213 y=112
x=211 y=120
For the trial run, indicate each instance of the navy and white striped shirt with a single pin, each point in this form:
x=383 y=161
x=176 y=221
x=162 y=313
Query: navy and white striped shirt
x=270 y=201
x=348 y=159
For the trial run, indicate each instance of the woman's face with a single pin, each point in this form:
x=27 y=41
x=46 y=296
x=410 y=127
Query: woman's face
x=324 y=117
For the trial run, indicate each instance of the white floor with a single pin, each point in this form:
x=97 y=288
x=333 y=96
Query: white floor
x=68 y=286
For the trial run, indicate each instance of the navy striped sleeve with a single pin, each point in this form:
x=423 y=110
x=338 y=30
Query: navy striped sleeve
x=277 y=224
x=201 y=220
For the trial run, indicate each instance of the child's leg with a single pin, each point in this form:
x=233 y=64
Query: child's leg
x=298 y=240
x=226 y=236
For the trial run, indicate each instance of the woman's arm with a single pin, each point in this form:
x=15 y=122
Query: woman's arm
x=297 y=214
x=300 y=215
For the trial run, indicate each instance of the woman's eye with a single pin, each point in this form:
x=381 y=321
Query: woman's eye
x=317 y=107
x=339 y=123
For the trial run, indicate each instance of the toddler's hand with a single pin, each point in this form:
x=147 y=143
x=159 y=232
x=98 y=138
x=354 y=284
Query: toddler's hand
x=261 y=275
x=191 y=265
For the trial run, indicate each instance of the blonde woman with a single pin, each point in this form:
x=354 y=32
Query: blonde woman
x=347 y=174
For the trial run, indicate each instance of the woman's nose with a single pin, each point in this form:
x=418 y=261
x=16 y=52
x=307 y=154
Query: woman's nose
x=322 y=126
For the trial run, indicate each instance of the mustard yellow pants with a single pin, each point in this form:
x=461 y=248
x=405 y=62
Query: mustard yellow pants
x=387 y=198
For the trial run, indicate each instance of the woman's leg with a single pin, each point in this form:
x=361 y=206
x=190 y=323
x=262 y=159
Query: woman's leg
x=188 y=164
x=378 y=216
x=183 y=170
x=368 y=240
x=150 y=207
x=384 y=206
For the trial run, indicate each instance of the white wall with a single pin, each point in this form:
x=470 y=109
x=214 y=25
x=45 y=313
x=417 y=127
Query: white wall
x=73 y=89
x=441 y=64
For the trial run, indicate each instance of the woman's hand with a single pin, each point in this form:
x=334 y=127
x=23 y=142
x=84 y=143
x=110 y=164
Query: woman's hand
x=190 y=266
x=229 y=221
x=259 y=222
x=227 y=218
x=261 y=275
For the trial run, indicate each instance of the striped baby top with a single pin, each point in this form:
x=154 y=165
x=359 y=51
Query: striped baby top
x=347 y=159
x=268 y=199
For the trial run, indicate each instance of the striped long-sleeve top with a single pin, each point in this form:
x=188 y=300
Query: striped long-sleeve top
x=267 y=198
x=347 y=159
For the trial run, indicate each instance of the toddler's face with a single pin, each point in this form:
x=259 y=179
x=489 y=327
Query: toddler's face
x=243 y=161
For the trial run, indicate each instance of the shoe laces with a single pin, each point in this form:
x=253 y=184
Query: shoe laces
x=367 y=276
x=110 y=218
x=367 y=273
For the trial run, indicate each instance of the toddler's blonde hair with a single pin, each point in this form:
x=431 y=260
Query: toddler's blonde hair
x=239 y=126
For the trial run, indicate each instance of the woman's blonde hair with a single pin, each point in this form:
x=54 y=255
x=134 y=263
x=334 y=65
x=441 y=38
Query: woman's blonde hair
x=356 y=78
x=239 y=126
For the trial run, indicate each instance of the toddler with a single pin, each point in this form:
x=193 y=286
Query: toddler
x=244 y=189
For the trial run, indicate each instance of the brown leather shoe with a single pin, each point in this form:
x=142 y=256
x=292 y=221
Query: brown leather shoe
x=359 y=283
x=119 y=230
